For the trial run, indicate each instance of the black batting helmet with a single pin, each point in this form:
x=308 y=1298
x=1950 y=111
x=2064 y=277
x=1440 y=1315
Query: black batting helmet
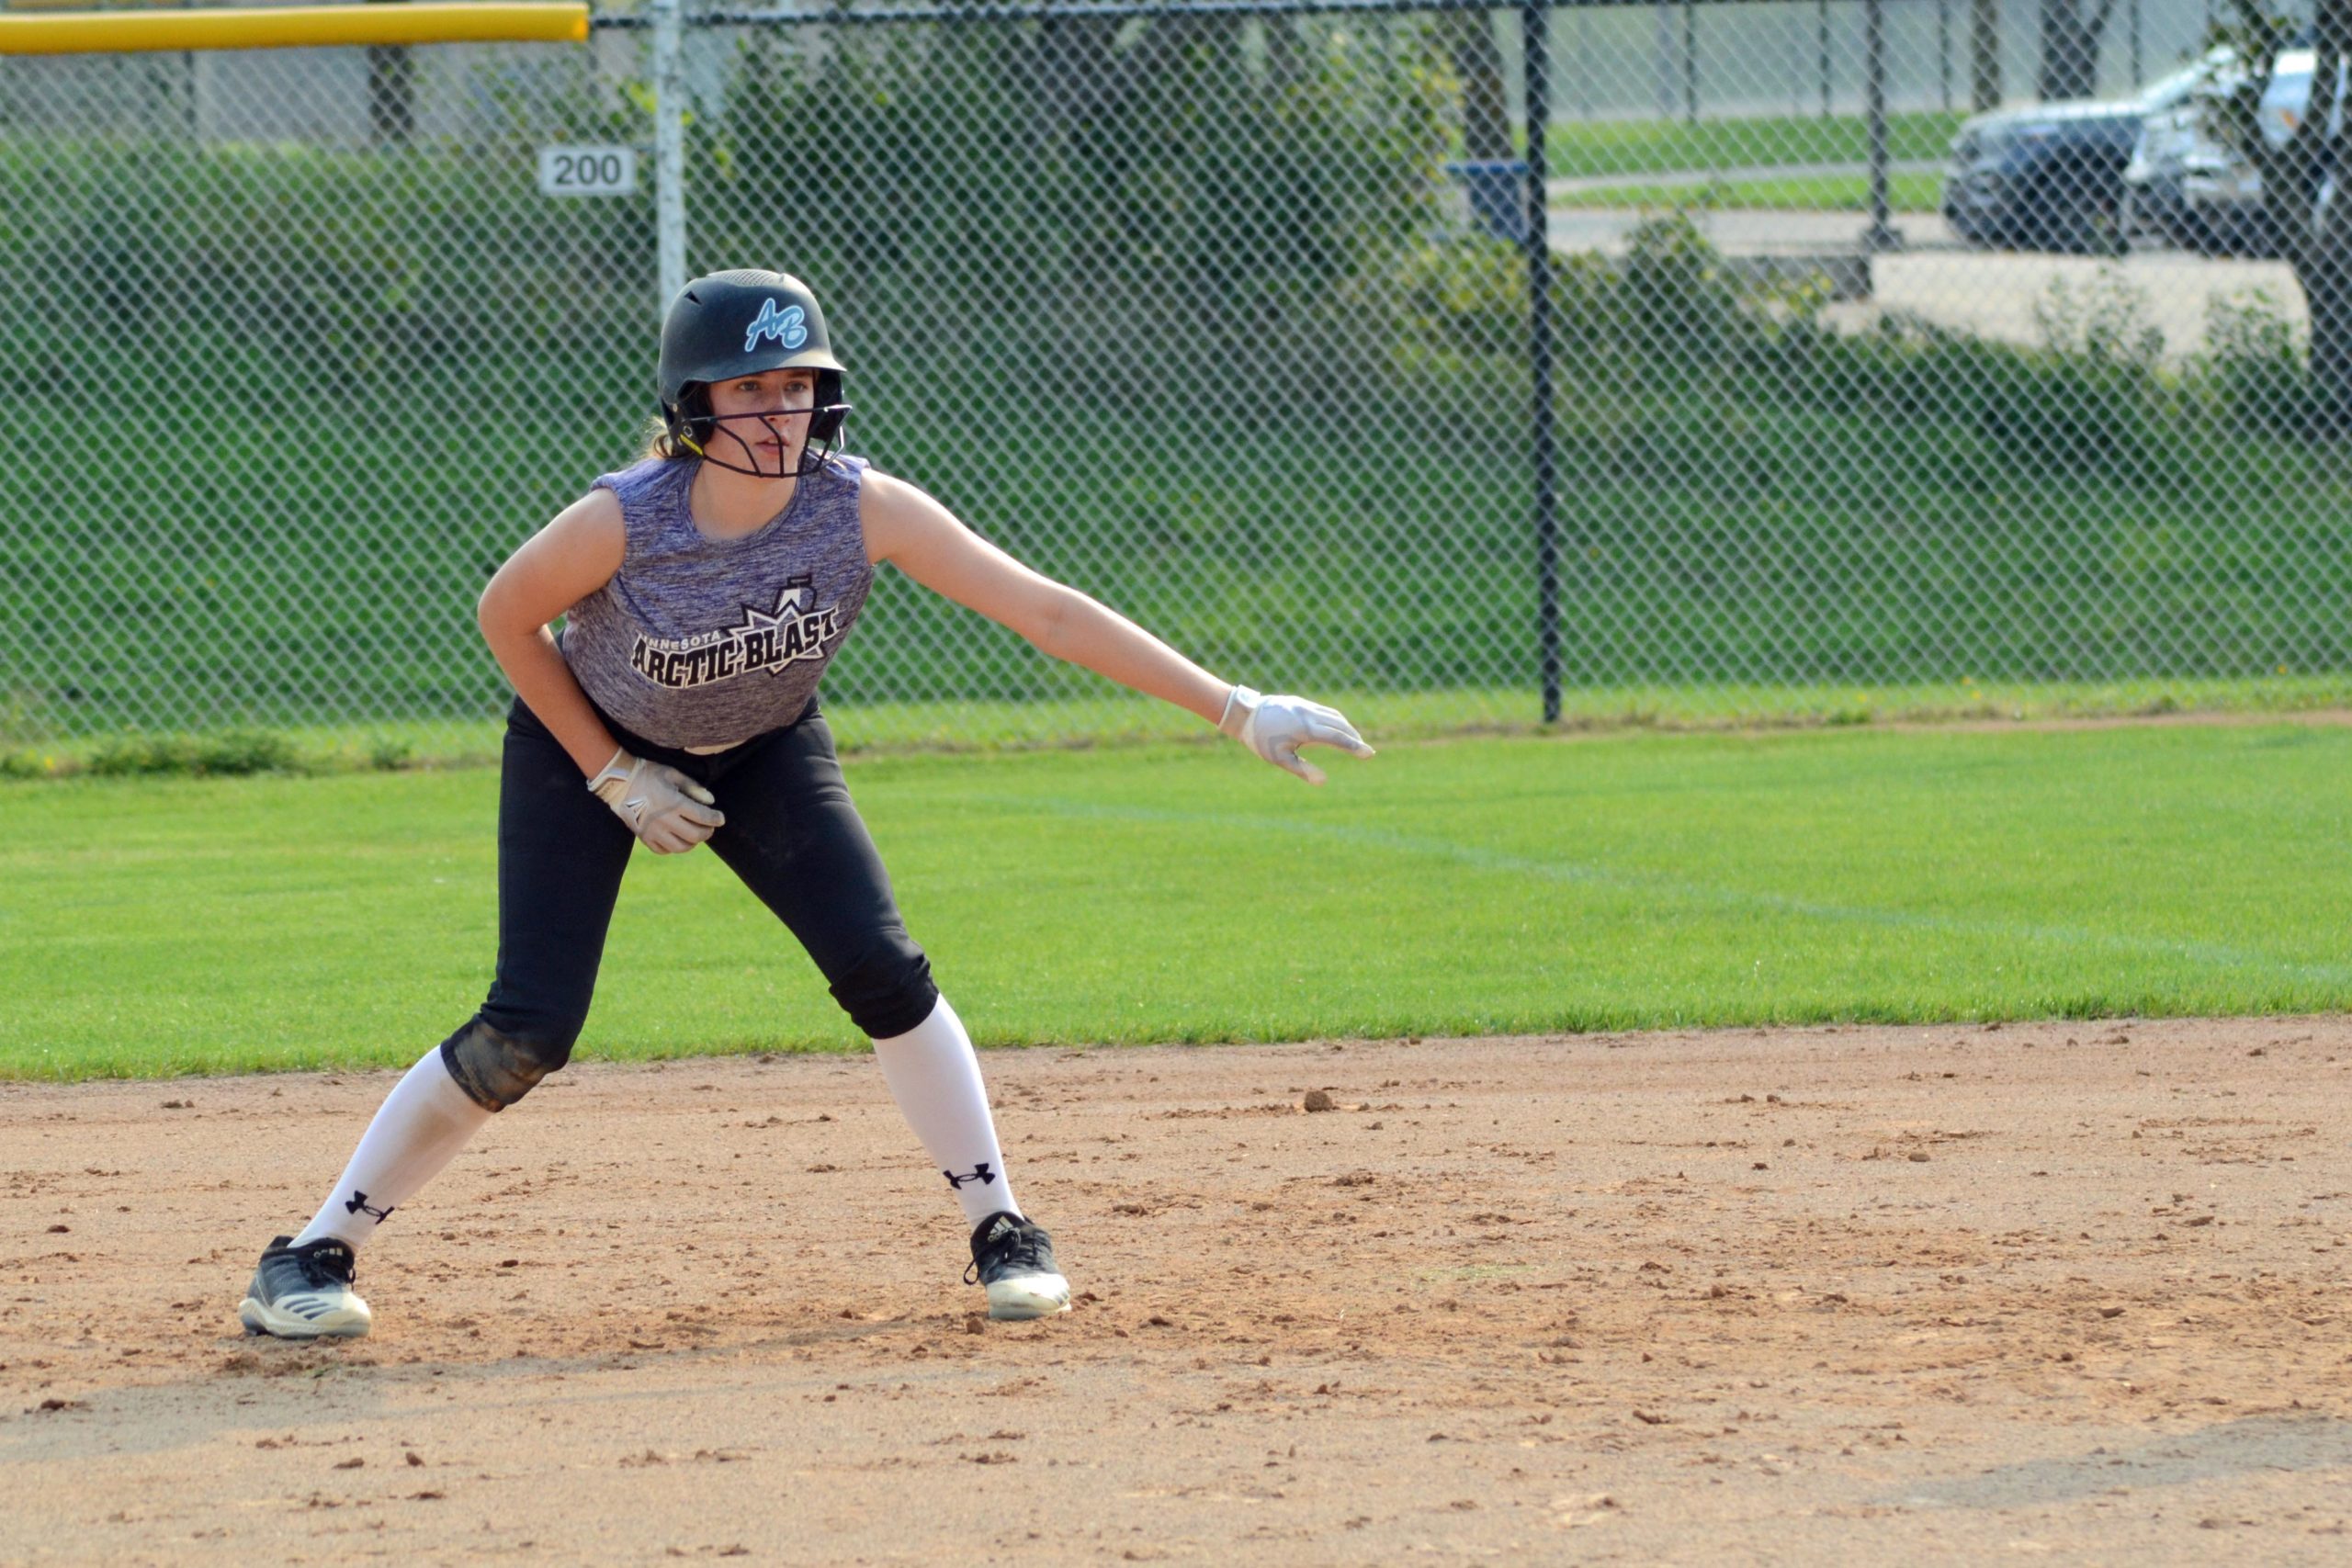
x=740 y=323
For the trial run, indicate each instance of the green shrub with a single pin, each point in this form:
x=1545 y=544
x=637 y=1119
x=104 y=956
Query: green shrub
x=2060 y=414
x=1682 y=310
x=389 y=755
x=230 y=753
x=2094 y=404
x=2254 y=367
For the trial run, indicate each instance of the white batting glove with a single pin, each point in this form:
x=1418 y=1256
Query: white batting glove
x=1275 y=727
x=668 y=811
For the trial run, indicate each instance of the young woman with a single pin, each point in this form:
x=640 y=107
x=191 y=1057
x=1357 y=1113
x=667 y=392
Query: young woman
x=704 y=591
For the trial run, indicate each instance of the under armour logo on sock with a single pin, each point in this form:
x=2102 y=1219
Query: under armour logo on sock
x=982 y=1175
x=358 y=1205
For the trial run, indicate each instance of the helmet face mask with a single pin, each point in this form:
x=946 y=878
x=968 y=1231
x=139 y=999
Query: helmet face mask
x=715 y=438
x=740 y=323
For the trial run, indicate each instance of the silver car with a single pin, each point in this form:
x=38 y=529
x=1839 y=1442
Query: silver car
x=2184 y=187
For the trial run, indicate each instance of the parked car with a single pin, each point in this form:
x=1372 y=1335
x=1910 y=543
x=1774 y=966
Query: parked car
x=2154 y=207
x=2047 y=177
x=2185 y=186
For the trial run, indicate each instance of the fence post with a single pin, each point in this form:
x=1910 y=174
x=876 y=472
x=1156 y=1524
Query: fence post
x=1534 y=22
x=1821 y=48
x=1881 y=237
x=392 y=93
x=1985 y=54
x=1943 y=52
x=669 y=149
x=1690 y=61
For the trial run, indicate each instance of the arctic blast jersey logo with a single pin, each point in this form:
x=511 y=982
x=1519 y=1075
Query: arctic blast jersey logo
x=765 y=640
x=788 y=326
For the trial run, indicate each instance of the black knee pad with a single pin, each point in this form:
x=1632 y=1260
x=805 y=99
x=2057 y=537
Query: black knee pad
x=496 y=1068
x=888 y=990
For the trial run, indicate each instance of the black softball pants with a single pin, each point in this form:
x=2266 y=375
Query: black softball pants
x=792 y=835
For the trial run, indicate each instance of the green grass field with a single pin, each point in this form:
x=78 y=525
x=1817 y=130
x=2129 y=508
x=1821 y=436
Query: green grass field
x=1580 y=149
x=1114 y=717
x=1190 y=893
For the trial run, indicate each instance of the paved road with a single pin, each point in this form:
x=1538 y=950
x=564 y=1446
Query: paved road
x=1994 y=293
x=1748 y=232
x=1567 y=189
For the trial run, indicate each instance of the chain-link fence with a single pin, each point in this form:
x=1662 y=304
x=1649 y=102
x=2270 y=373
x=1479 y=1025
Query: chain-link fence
x=1221 y=312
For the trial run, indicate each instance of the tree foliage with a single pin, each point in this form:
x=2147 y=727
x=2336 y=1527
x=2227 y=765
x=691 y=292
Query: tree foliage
x=1157 y=203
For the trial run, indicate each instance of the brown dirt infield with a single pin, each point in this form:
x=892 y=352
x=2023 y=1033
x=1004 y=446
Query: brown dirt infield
x=1910 y=1294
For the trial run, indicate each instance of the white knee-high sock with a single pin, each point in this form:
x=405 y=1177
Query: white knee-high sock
x=420 y=1128
x=935 y=1078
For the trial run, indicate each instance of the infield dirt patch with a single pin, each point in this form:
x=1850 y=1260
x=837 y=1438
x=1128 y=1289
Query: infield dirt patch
x=1915 y=1294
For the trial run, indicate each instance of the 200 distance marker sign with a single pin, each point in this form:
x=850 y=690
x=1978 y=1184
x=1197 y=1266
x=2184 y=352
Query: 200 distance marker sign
x=587 y=171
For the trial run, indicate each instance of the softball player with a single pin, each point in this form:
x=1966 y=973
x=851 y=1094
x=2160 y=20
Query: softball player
x=705 y=590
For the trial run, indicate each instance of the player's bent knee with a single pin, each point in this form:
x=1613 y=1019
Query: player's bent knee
x=888 y=990
x=496 y=1068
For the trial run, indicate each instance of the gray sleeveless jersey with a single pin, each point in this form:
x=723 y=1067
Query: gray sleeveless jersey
x=708 y=642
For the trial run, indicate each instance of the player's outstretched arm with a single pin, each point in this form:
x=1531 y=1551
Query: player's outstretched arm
x=924 y=539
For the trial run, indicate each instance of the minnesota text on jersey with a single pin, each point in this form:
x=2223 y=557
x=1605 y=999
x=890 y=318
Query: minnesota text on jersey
x=765 y=640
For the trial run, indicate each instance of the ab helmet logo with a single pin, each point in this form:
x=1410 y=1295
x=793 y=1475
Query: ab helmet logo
x=765 y=639
x=788 y=326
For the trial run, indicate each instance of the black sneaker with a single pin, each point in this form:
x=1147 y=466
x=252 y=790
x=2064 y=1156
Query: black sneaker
x=1015 y=1260
x=304 y=1293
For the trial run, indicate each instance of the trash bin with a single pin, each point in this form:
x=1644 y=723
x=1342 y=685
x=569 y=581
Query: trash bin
x=1498 y=192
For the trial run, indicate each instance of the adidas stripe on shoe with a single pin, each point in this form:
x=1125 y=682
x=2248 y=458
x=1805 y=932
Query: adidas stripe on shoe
x=1013 y=1258
x=304 y=1293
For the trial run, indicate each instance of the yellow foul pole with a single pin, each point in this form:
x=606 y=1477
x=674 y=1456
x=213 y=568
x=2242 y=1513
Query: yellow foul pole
x=292 y=26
